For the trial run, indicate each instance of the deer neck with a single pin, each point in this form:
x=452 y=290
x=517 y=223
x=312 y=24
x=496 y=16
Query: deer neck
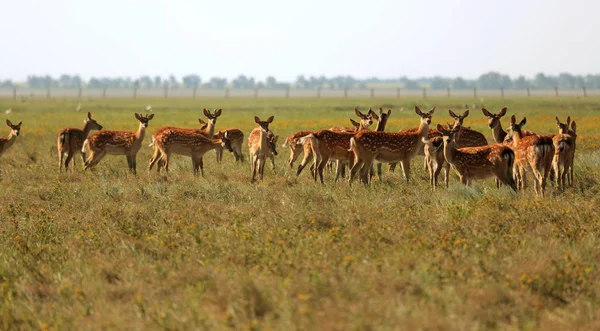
x=499 y=133
x=263 y=143
x=141 y=132
x=381 y=125
x=449 y=151
x=423 y=130
x=517 y=135
x=10 y=139
x=86 y=130
x=210 y=129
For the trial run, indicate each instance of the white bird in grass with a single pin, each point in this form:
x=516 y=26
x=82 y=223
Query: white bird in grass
x=79 y=107
x=8 y=111
x=149 y=108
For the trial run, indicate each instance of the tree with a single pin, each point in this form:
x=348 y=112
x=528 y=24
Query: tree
x=173 y=83
x=157 y=81
x=520 y=83
x=491 y=80
x=459 y=84
x=439 y=83
x=191 y=81
x=146 y=82
x=301 y=82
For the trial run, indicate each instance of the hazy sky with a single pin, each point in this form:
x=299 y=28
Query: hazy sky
x=287 y=38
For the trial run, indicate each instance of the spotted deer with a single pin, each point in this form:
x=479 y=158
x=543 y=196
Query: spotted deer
x=534 y=153
x=325 y=145
x=478 y=162
x=187 y=143
x=501 y=136
x=6 y=143
x=388 y=147
x=466 y=137
x=126 y=143
x=382 y=120
x=70 y=141
x=564 y=151
x=261 y=144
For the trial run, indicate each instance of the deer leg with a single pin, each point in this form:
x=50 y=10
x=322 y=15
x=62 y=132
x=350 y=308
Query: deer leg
x=68 y=160
x=261 y=167
x=368 y=163
x=436 y=173
x=201 y=164
x=446 y=173
x=406 y=169
x=463 y=180
x=94 y=159
x=321 y=167
x=358 y=163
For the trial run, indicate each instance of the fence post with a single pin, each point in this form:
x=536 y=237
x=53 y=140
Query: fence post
x=14 y=93
x=135 y=92
x=397 y=92
x=194 y=92
x=318 y=92
x=528 y=92
x=226 y=93
x=166 y=91
x=80 y=93
x=424 y=93
x=448 y=90
x=584 y=92
x=287 y=92
x=474 y=92
x=502 y=91
x=372 y=92
x=345 y=92
x=555 y=90
x=48 y=93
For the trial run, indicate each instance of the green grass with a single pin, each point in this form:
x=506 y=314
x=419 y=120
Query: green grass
x=107 y=249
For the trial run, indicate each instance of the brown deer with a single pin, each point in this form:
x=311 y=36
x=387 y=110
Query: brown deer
x=188 y=143
x=466 y=137
x=564 y=152
x=261 y=144
x=478 y=162
x=126 y=143
x=382 y=120
x=434 y=158
x=70 y=141
x=328 y=145
x=533 y=153
x=292 y=142
x=6 y=143
x=501 y=136
x=388 y=147
x=236 y=138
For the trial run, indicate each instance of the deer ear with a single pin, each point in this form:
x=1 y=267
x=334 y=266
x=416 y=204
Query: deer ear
x=486 y=112
x=374 y=115
x=440 y=128
x=226 y=135
x=20 y=123
x=557 y=121
x=201 y=121
x=466 y=113
x=452 y=114
x=270 y=119
x=8 y=123
x=355 y=123
x=89 y=115
x=137 y=116
x=568 y=120
x=432 y=110
x=574 y=126
x=256 y=120
x=206 y=112
x=513 y=120
x=149 y=117
x=523 y=121
x=502 y=112
x=389 y=112
x=380 y=111
x=358 y=113
x=218 y=112
x=418 y=111
x=275 y=139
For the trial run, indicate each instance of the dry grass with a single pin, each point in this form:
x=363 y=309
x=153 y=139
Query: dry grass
x=110 y=250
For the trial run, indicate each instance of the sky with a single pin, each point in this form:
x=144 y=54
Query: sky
x=259 y=38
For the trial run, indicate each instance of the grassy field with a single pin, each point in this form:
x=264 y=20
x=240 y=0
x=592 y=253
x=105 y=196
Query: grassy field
x=110 y=250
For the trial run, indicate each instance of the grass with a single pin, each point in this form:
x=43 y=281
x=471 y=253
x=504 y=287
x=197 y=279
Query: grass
x=110 y=250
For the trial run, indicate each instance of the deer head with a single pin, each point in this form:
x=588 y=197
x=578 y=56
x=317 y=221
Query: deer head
x=90 y=123
x=212 y=118
x=425 y=117
x=574 y=127
x=494 y=119
x=272 y=141
x=264 y=124
x=381 y=119
x=448 y=133
x=563 y=128
x=458 y=118
x=225 y=142
x=144 y=119
x=516 y=128
x=203 y=125
x=15 y=129
x=365 y=120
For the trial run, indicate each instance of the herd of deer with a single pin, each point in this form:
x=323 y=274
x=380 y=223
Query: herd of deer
x=513 y=154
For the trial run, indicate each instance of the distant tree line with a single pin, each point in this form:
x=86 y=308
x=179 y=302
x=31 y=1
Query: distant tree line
x=490 y=80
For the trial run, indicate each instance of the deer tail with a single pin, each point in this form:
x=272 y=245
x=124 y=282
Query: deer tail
x=63 y=137
x=86 y=144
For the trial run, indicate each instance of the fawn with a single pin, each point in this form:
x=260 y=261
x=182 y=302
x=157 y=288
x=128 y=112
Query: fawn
x=70 y=141
x=262 y=143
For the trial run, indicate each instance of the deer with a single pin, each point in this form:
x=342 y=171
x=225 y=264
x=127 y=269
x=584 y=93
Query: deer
x=6 y=143
x=388 y=147
x=126 y=143
x=382 y=120
x=262 y=144
x=466 y=137
x=70 y=142
x=434 y=158
x=236 y=139
x=501 y=136
x=188 y=143
x=478 y=162
x=564 y=152
x=533 y=153
x=326 y=144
